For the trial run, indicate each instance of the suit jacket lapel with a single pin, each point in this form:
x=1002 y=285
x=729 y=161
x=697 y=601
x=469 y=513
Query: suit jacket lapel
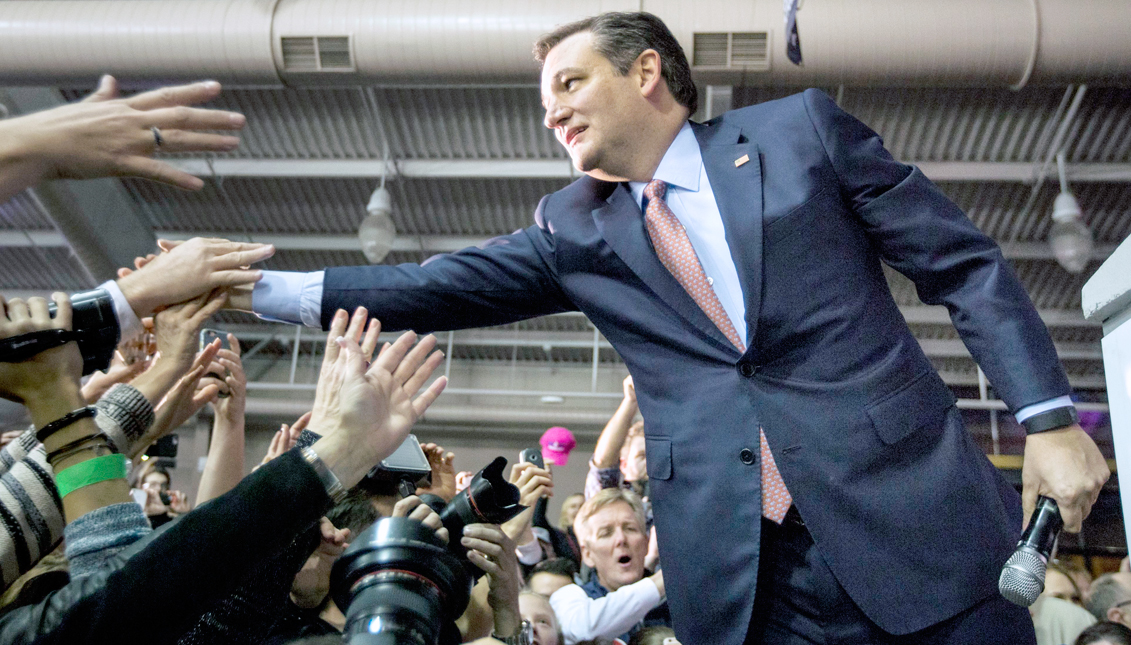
x=622 y=226
x=738 y=193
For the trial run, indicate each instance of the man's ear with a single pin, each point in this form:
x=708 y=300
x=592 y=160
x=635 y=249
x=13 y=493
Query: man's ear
x=647 y=68
x=1115 y=615
x=587 y=557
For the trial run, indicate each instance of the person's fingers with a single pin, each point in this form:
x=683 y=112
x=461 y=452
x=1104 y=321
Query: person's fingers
x=205 y=394
x=369 y=343
x=1073 y=516
x=423 y=372
x=409 y=365
x=354 y=364
x=484 y=563
x=391 y=356
x=405 y=506
x=1028 y=504
x=299 y=425
x=276 y=441
x=211 y=303
x=188 y=94
x=357 y=324
x=64 y=314
x=148 y=168
x=235 y=278
x=234 y=343
x=169 y=245
x=181 y=117
x=337 y=328
x=123 y=272
x=107 y=89
x=17 y=310
x=486 y=547
x=188 y=141
x=425 y=400
x=242 y=256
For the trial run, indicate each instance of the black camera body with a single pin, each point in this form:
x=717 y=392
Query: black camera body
x=94 y=326
x=401 y=585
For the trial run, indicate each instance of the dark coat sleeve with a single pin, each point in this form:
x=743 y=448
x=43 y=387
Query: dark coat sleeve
x=180 y=572
x=926 y=237
x=505 y=279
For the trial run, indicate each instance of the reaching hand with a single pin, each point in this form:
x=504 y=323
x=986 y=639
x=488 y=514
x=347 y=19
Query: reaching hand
x=38 y=378
x=176 y=328
x=414 y=509
x=8 y=436
x=182 y=401
x=629 y=389
x=1067 y=466
x=489 y=548
x=178 y=503
x=107 y=136
x=443 y=472
x=119 y=372
x=329 y=379
x=232 y=406
x=533 y=483
x=185 y=270
x=367 y=413
x=285 y=438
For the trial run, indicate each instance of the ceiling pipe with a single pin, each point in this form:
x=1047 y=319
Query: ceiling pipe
x=302 y=43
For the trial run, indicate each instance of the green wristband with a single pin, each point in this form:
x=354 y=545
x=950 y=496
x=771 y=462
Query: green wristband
x=91 y=471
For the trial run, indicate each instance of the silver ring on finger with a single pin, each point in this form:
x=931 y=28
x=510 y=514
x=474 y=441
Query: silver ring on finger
x=158 y=140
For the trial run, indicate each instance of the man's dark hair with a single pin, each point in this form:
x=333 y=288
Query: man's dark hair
x=621 y=38
x=355 y=512
x=557 y=566
x=1105 y=631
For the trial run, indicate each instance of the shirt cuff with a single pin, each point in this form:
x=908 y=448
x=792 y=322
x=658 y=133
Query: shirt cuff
x=289 y=297
x=529 y=553
x=1044 y=406
x=129 y=325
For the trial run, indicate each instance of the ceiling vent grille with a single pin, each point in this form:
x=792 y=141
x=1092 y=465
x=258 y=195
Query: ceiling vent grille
x=749 y=50
x=710 y=50
x=317 y=54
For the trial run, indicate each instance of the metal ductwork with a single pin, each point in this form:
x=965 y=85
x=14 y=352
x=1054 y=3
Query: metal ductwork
x=353 y=42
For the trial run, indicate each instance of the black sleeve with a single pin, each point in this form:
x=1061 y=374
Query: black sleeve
x=166 y=586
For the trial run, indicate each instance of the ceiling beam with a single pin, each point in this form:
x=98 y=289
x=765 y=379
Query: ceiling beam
x=562 y=169
x=95 y=217
x=928 y=315
x=426 y=243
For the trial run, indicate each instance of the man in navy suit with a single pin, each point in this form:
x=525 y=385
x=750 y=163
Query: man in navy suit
x=897 y=524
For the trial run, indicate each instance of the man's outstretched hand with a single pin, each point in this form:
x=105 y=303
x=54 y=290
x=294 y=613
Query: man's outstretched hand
x=1066 y=466
x=188 y=269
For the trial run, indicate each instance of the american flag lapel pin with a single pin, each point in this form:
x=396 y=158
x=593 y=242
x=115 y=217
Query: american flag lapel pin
x=741 y=160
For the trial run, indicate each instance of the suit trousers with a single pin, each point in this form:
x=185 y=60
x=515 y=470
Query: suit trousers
x=800 y=602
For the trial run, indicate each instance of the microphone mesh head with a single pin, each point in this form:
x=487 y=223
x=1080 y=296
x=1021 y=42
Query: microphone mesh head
x=1023 y=577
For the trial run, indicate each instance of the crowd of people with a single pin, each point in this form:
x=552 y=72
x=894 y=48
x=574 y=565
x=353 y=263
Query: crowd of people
x=96 y=547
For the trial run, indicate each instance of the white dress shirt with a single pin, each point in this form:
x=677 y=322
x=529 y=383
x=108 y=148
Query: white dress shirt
x=296 y=298
x=584 y=619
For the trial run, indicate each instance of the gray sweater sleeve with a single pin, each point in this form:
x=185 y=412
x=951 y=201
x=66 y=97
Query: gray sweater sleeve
x=31 y=513
x=99 y=535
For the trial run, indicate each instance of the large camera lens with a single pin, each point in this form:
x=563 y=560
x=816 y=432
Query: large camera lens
x=489 y=498
x=400 y=584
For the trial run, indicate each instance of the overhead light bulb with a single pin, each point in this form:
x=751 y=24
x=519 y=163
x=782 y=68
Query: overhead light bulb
x=377 y=232
x=1070 y=239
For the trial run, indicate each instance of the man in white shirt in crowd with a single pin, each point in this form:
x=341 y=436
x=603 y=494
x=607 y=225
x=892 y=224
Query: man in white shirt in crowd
x=620 y=597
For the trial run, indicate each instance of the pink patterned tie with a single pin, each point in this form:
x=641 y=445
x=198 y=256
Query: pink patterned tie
x=676 y=253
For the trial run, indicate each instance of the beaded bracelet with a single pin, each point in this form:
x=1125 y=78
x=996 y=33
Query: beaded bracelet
x=91 y=471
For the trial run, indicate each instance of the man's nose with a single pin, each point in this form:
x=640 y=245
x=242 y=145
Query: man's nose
x=556 y=114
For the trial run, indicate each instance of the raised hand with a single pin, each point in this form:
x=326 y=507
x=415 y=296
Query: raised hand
x=373 y=409
x=105 y=135
x=38 y=378
x=185 y=270
x=414 y=509
x=443 y=472
x=285 y=438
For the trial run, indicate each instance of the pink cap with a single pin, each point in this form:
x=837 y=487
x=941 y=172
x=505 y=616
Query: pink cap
x=557 y=442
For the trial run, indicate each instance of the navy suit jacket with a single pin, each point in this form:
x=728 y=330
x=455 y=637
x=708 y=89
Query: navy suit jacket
x=912 y=518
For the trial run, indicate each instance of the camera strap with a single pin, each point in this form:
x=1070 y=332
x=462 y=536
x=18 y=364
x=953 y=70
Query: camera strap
x=17 y=349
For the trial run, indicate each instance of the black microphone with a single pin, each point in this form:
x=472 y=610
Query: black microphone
x=1023 y=576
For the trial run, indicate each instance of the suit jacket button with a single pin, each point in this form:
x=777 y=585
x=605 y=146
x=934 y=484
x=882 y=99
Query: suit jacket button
x=747 y=369
x=747 y=456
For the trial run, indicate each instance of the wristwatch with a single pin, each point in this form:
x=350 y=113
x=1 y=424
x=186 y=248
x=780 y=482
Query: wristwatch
x=334 y=488
x=1051 y=419
x=525 y=635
